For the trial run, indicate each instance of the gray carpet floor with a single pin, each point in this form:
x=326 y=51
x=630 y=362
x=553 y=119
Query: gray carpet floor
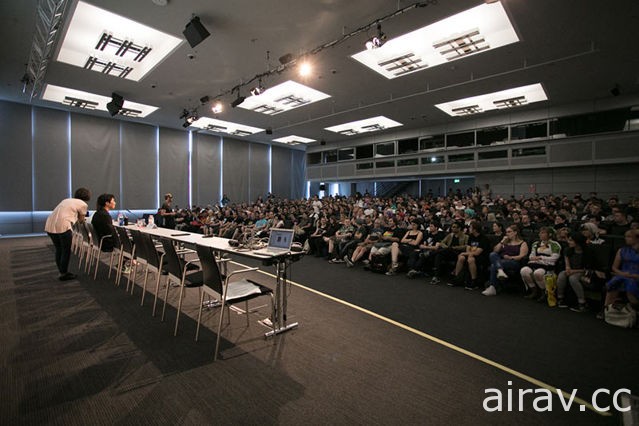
x=84 y=352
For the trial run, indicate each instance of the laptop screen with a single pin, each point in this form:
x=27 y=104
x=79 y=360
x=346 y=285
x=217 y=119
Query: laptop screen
x=281 y=239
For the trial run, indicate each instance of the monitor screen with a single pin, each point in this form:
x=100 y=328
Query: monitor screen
x=280 y=238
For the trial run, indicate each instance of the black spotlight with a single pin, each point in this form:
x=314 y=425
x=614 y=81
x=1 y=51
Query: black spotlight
x=322 y=142
x=285 y=59
x=269 y=130
x=115 y=105
x=195 y=32
x=238 y=101
x=204 y=99
x=615 y=91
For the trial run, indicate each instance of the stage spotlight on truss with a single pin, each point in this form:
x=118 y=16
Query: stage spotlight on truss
x=258 y=90
x=189 y=117
x=217 y=107
x=377 y=40
x=305 y=69
x=238 y=101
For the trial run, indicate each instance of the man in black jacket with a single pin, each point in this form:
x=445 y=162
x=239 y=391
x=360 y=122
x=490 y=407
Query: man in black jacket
x=103 y=222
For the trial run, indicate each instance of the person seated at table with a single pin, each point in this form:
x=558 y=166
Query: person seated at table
x=474 y=257
x=408 y=244
x=625 y=269
x=103 y=222
x=506 y=256
x=544 y=255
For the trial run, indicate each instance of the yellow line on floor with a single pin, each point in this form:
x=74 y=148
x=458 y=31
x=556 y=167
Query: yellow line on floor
x=437 y=340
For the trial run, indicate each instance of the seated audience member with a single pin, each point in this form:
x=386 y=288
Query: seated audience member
x=392 y=234
x=506 y=256
x=422 y=260
x=316 y=238
x=336 y=244
x=574 y=259
x=453 y=244
x=103 y=222
x=408 y=244
x=331 y=228
x=544 y=254
x=591 y=232
x=625 y=269
x=475 y=255
x=362 y=249
x=619 y=224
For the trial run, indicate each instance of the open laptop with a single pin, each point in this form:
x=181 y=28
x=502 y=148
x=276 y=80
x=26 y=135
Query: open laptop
x=279 y=242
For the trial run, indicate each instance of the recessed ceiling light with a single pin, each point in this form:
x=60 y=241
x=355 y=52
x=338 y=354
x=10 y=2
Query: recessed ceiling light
x=479 y=29
x=105 y=42
x=503 y=99
x=221 y=126
x=373 y=124
x=86 y=100
x=283 y=97
x=294 y=140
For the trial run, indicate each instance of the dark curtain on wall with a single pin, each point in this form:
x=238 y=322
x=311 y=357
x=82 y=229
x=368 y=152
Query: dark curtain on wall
x=259 y=171
x=281 y=172
x=174 y=166
x=139 y=160
x=298 y=174
x=236 y=170
x=50 y=157
x=206 y=169
x=15 y=150
x=95 y=155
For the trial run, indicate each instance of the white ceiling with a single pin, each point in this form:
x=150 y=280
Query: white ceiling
x=578 y=50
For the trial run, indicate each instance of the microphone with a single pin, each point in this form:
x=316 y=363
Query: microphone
x=133 y=214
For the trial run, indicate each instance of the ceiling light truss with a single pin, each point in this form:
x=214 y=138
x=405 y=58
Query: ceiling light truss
x=109 y=68
x=49 y=14
x=467 y=110
x=403 y=64
x=460 y=45
x=79 y=103
x=122 y=47
x=511 y=102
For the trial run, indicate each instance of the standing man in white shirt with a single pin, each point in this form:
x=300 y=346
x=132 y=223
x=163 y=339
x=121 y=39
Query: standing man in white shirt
x=58 y=226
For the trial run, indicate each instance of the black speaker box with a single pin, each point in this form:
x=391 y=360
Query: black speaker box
x=115 y=105
x=195 y=32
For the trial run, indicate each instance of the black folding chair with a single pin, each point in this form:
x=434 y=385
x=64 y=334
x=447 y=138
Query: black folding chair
x=231 y=292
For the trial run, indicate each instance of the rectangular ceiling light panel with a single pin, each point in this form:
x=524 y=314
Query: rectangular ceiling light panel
x=283 y=97
x=294 y=140
x=475 y=30
x=111 y=44
x=510 y=98
x=373 y=124
x=86 y=100
x=220 y=126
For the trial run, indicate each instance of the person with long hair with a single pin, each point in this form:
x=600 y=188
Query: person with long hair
x=506 y=256
x=575 y=267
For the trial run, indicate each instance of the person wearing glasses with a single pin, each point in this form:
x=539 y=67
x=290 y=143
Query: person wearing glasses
x=506 y=256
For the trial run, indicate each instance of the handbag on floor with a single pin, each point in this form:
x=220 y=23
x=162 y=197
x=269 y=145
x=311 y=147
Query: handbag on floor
x=620 y=315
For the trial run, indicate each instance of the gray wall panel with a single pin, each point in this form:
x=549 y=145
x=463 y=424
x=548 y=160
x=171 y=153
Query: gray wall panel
x=206 y=169
x=15 y=157
x=236 y=170
x=50 y=157
x=259 y=171
x=298 y=184
x=139 y=166
x=95 y=155
x=281 y=172
x=174 y=166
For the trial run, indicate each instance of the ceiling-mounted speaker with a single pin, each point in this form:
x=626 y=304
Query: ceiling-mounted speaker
x=195 y=32
x=115 y=105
